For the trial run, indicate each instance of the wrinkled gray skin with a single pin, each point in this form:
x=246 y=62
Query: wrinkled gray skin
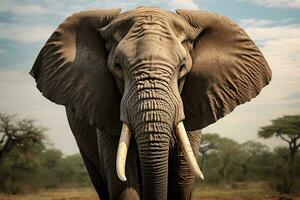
x=151 y=69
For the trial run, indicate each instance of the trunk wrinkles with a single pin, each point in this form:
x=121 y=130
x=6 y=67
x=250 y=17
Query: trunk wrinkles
x=151 y=109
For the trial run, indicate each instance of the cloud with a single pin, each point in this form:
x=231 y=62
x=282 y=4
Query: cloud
x=2 y=51
x=268 y=30
x=22 y=33
x=278 y=3
x=29 y=22
x=18 y=8
x=188 y=4
x=255 y=23
x=280 y=43
x=19 y=95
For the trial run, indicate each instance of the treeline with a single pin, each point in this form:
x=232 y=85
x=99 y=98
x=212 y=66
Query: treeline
x=223 y=160
x=26 y=173
x=28 y=163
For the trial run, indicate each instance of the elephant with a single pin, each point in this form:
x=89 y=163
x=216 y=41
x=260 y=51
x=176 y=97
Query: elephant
x=138 y=88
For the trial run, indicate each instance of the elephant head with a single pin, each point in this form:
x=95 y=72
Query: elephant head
x=151 y=70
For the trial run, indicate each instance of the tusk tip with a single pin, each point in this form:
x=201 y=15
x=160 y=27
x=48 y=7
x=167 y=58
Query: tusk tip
x=121 y=174
x=122 y=178
x=200 y=175
x=184 y=142
x=122 y=152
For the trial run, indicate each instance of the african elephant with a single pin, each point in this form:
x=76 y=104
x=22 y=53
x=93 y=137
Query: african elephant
x=129 y=81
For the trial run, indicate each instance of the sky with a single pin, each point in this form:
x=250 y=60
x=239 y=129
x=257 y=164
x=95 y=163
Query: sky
x=274 y=25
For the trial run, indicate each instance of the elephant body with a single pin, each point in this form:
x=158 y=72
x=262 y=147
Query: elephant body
x=140 y=86
x=99 y=150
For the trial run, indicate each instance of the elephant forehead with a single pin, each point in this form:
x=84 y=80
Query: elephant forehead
x=144 y=18
x=150 y=11
x=152 y=15
x=147 y=18
x=150 y=24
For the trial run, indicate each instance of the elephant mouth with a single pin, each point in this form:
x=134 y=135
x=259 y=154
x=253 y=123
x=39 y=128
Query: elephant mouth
x=182 y=138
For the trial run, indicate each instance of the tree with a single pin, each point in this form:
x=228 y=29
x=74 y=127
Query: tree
x=21 y=144
x=249 y=151
x=227 y=150
x=72 y=171
x=218 y=157
x=209 y=142
x=21 y=134
x=27 y=164
x=286 y=128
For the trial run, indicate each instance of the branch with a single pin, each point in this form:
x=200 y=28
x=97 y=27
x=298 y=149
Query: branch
x=298 y=145
x=284 y=138
x=2 y=139
x=293 y=136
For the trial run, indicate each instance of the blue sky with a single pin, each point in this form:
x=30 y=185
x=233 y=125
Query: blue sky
x=273 y=24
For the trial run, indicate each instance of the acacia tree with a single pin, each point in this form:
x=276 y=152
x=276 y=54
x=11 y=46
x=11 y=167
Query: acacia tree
x=21 y=134
x=286 y=128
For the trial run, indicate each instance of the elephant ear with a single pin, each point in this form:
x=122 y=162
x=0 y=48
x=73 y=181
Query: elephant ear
x=228 y=69
x=71 y=69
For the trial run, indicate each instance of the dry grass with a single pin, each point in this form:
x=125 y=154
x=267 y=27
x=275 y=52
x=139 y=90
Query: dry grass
x=255 y=191
x=57 y=194
x=242 y=191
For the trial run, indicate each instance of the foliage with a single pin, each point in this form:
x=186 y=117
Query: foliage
x=220 y=160
x=30 y=165
x=19 y=134
x=251 y=161
x=209 y=142
x=21 y=144
x=27 y=164
x=286 y=128
x=52 y=170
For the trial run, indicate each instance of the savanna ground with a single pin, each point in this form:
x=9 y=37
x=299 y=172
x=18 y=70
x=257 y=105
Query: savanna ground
x=249 y=191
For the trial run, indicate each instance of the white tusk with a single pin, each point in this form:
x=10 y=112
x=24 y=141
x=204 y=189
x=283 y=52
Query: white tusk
x=187 y=150
x=122 y=152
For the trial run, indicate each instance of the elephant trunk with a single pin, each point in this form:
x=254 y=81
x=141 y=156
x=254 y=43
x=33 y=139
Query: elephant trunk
x=152 y=109
x=152 y=120
x=153 y=151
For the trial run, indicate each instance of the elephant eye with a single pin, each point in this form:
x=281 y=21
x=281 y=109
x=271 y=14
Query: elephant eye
x=117 y=70
x=182 y=66
x=118 y=66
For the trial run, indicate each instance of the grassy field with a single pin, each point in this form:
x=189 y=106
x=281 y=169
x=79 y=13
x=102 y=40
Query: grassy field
x=56 y=194
x=257 y=191
x=242 y=191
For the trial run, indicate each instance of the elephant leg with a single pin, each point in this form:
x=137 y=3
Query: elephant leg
x=180 y=175
x=96 y=178
x=117 y=189
x=86 y=138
